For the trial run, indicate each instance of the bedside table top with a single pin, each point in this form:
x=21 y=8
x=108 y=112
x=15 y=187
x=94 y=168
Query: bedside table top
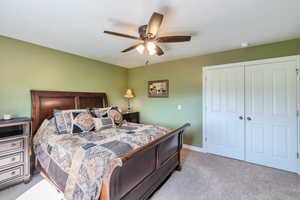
x=15 y=120
x=131 y=112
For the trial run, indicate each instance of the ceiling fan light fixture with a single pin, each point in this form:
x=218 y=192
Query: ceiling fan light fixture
x=140 y=49
x=152 y=53
x=149 y=38
x=151 y=46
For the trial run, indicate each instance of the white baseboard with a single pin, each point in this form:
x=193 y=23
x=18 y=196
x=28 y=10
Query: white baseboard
x=194 y=148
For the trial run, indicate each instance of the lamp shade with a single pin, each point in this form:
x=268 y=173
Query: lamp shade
x=129 y=94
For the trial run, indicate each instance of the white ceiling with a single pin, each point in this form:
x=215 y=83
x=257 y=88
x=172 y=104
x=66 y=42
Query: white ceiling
x=76 y=26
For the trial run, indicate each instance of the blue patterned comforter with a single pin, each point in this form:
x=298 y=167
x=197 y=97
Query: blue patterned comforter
x=76 y=164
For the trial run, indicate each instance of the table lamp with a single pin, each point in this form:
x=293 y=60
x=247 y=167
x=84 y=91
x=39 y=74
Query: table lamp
x=129 y=95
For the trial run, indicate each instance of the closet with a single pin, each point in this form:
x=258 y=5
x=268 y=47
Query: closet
x=251 y=111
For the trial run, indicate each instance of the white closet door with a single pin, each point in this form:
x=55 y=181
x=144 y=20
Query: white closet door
x=224 y=104
x=271 y=121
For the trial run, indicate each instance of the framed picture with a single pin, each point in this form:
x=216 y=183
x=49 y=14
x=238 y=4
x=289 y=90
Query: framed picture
x=158 y=88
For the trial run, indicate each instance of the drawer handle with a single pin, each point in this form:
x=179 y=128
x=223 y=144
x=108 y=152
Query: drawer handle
x=13 y=159
x=13 y=173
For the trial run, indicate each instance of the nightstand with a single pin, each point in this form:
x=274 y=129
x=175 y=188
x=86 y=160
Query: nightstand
x=131 y=116
x=15 y=141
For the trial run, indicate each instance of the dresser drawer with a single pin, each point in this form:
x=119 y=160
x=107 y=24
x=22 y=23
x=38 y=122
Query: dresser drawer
x=11 y=173
x=10 y=160
x=11 y=145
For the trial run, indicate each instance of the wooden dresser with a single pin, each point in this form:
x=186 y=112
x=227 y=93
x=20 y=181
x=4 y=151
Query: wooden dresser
x=15 y=142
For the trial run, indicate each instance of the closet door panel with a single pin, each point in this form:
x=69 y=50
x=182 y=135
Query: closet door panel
x=224 y=107
x=271 y=104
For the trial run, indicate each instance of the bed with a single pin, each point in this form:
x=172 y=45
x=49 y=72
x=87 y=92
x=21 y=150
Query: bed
x=141 y=171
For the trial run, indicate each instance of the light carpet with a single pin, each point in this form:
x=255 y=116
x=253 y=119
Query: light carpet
x=203 y=177
x=43 y=190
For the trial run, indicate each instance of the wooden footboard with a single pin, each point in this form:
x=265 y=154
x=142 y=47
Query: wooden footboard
x=144 y=169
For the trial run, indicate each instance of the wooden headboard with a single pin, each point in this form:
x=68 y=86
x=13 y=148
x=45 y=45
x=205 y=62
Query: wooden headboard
x=44 y=102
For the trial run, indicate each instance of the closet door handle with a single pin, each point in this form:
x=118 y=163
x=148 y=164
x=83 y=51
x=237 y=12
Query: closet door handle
x=249 y=118
x=241 y=117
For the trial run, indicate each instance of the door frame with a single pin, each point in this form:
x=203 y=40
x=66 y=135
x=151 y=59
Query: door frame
x=298 y=107
x=245 y=64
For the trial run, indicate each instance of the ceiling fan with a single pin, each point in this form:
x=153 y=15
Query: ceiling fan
x=149 y=37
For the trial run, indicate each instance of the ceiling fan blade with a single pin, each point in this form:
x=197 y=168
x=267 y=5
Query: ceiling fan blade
x=159 y=51
x=165 y=39
x=122 y=35
x=154 y=24
x=132 y=47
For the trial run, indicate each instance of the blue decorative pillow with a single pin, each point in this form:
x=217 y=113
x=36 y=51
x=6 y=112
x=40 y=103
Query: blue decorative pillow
x=100 y=112
x=104 y=122
x=82 y=122
x=64 y=121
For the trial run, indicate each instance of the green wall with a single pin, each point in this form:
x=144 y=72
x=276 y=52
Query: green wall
x=24 y=66
x=185 y=77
